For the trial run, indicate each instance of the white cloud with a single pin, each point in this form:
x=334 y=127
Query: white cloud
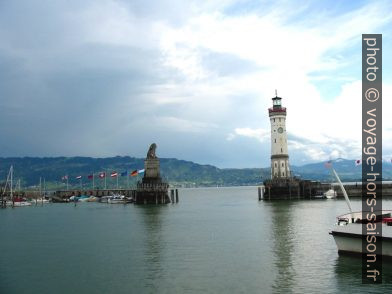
x=260 y=134
x=201 y=70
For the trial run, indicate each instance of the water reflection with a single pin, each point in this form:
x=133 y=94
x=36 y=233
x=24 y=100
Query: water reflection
x=348 y=273
x=152 y=218
x=283 y=247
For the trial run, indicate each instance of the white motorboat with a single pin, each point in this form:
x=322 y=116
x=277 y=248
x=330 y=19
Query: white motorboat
x=348 y=232
x=350 y=228
x=330 y=194
x=117 y=199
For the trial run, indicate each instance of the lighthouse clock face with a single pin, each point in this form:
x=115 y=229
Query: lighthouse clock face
x=280 y=130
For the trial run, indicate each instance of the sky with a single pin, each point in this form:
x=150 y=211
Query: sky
x=106 y=78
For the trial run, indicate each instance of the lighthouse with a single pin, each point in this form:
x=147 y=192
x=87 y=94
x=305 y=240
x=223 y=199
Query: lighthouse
x=279 y=153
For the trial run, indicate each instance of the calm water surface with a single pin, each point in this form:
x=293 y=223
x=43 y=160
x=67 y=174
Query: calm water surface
x=216 y=240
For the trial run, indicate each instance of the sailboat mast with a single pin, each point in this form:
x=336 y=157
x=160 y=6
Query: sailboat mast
x=12 y=175
x=11 y=194
x=40 y=190
x=42 y=197
x=344 y=192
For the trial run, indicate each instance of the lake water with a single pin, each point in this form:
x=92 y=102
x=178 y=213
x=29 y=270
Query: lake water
x=215 y=240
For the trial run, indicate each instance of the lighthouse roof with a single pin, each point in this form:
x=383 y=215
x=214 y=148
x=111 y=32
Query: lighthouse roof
x=277 y=105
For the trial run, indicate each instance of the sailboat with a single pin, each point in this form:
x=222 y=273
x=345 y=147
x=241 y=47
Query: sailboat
x=13 y=200
x=349 y=228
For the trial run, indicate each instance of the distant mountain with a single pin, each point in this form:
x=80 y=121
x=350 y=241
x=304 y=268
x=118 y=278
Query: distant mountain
x=177 y=172
x=345 y=168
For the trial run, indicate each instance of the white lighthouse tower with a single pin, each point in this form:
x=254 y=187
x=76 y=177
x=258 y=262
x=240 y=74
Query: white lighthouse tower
x=279 y=154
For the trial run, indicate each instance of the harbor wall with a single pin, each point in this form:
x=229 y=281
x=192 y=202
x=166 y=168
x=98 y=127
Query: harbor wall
x=304 y=189
x=355 y=190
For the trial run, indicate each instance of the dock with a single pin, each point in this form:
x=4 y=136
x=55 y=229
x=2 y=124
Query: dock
x=307 y=189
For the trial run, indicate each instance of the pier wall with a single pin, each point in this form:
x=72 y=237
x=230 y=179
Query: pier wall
x=303 y=189
x=355 y=190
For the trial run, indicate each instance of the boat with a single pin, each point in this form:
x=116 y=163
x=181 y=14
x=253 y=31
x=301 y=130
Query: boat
x=117 y=199
x=81 y=198
x=14 y=201
x=330 y=194
x=92 y=199
x=39 y=201
x=18 y=202
x=348 y=230
x=104 y=199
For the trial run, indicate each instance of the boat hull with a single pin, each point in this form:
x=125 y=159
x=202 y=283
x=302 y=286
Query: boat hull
x=116 y=201
x=18 y=204
x=352 y=243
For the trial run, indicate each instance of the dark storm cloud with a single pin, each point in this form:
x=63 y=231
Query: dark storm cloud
x=59 y=93
x=68 y=87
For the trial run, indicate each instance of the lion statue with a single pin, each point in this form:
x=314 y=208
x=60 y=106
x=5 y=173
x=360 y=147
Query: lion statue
x=151 y=151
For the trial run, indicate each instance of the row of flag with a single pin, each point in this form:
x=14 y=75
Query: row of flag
x=102 y=175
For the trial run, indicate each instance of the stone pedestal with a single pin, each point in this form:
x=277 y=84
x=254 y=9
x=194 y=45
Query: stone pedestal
x=151 y=168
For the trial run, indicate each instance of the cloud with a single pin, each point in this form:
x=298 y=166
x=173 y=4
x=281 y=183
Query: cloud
x=109 y=77
x=259 y=134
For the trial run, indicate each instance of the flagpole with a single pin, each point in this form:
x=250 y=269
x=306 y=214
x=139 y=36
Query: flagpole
x=93 y=181
x=127 y=180
x=105 y=177
x=117 y=181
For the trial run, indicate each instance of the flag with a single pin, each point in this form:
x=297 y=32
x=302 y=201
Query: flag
x=90 y=177
x=124 y=174
x=358 y=162
x=102 y=175
x=134 y=173
x=140 y=171
x=328 y=164
x=78 y=177
x=114 y=174
x=64 y=178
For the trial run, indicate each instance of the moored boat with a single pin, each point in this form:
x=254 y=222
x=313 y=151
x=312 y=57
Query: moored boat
x=81 y=198
x=348 y=232
x=92 y=199
x=330 y=194
x=349 y=229
x=18 y=202
x=117 y=199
